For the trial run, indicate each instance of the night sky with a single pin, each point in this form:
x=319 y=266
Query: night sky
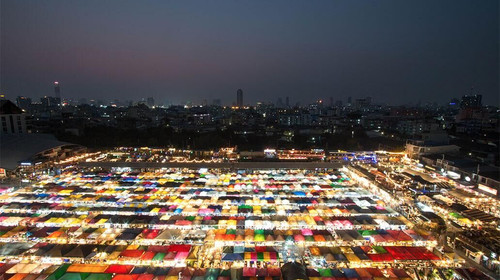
x=397 y=52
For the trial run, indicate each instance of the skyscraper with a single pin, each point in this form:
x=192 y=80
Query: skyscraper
x=239 y=98
x=471 y=101
x=23 y=102
x=50 y=101
x=57 y=91
x=150 y=102
x=279 y=103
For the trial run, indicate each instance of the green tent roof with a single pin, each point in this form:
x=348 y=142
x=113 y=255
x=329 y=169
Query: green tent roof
x=159 y=256
x=379 y=249
x=325 y=272
x=367 y=232
x=74 y=276
x=100 y=276
x=59 y=272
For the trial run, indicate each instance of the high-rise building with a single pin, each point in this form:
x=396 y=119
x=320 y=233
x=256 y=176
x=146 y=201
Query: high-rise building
x=150 y=102
x=23 y=102
x=363 y=103
x=454 y=103
x=239 y=98
x=57 y=91
x=216 y=102
x=279 y=103
x=471 y=101
x=50 y=101
x=287 y=102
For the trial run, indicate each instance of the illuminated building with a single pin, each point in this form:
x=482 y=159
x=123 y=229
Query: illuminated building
x=57 y=92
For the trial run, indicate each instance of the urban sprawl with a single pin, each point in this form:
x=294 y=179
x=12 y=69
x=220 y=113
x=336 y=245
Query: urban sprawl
x=324 y=191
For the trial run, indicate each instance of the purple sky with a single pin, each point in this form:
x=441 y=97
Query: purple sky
x=394 y=51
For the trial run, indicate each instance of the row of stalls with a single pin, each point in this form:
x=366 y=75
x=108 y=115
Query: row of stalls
x=219 y=175
x=294 y=218
x=358 y=254
x=209 y=202
x=325 y=216
x=124 y=272
x=182 y=253
x=228 y=235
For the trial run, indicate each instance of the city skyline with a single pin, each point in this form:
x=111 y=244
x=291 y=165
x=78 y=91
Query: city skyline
x=396 y=53
x=329 y=101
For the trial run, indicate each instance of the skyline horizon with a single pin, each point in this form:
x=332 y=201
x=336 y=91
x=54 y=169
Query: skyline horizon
x=231 y=102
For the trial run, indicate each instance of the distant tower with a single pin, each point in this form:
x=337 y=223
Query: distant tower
x=150 y=102
x=471 y=101
x=287 y=102
x=57 y=91
x=279 y=103
x=239 y=98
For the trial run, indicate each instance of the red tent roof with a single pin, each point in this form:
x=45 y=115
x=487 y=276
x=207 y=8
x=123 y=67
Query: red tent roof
x=146 y=277
x=118 y=268
x=179 y=248
x=132 y=253
x=126 y=277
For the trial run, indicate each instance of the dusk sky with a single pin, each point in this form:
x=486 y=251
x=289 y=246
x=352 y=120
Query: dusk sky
x=397 y=52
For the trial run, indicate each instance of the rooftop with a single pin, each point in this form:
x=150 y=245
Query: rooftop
x=16 y=148
x=8 y=108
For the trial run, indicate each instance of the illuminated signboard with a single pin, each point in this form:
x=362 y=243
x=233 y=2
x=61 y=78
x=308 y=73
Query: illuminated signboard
x=453 y=175
x=488 y=189
x=270 y=153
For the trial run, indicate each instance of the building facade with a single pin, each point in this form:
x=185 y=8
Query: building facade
x=12 y=118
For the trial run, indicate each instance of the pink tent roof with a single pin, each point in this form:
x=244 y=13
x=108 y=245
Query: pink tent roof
x=307 y=232
x=181 y=255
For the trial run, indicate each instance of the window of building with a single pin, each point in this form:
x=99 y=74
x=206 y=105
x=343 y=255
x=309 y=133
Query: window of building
x=12 y=124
